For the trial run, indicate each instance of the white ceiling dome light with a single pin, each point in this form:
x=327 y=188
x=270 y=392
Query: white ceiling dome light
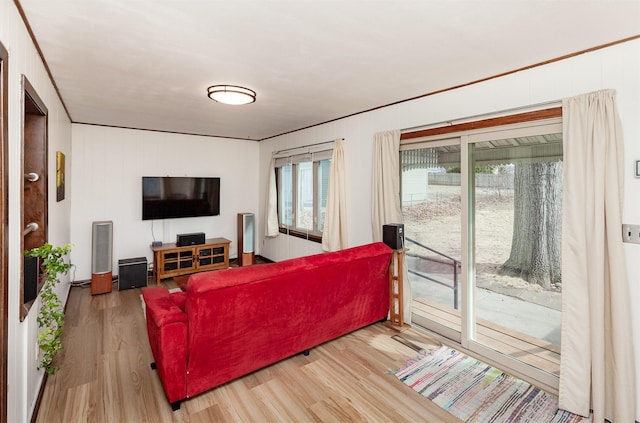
x=231 y=94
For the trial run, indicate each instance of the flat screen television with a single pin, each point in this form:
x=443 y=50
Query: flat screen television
x=169 y=197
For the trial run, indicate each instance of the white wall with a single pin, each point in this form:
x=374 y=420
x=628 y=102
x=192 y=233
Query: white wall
x=106 y=184
x=616 y=67
x=23 y=378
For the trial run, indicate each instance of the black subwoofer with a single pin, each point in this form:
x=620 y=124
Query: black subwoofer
x=132 y=273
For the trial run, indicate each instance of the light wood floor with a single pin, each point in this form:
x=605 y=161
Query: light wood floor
x=104 y=376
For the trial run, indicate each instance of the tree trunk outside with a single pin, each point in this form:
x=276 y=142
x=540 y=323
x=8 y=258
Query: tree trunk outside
x=535 y=246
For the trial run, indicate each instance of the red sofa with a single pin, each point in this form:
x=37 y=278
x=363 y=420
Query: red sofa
x=229 y=323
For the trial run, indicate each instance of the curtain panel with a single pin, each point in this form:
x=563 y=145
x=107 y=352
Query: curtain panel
x=334 y=234
x=597 y=361
x=385 y=196
x=271 y=206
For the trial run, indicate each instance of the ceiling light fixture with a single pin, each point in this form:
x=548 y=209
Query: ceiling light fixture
x=231 y=94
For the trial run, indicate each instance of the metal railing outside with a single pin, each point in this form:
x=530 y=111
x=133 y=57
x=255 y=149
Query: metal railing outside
x=455 y=264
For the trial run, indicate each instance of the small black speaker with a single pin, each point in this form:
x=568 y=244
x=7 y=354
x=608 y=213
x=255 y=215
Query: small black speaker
x=393 y=235
x=132 y=273
x=196 y=238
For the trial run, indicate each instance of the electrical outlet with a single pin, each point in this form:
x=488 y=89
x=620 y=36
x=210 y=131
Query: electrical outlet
x=631 y=233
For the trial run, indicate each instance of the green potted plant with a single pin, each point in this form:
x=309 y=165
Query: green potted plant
x=51 y=314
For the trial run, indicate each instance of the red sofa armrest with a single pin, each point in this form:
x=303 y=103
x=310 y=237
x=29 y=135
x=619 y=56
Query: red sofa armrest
x=179 y=299
x=167 y=331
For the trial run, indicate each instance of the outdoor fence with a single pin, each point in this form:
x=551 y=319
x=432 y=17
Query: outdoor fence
x=416 y=183
x=483 y=180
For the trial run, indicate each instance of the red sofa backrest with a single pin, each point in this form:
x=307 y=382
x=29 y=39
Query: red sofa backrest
x=246 y=318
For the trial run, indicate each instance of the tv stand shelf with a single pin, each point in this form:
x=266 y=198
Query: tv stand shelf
x=169 y=260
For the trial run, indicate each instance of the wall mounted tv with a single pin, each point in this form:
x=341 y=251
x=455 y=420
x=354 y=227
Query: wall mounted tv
x=169 y=197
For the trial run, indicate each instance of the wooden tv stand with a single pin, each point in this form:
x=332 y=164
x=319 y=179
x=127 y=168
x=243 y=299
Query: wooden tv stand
x=169 y=260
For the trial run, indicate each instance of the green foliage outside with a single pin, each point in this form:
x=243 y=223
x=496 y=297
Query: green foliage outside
x=479 y=169
x=51 y=314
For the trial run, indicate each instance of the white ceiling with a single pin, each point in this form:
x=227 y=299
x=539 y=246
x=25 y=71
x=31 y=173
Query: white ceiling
x=147 y=64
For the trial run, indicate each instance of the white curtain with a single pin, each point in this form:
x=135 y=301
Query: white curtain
x=271 y=206
x=334 y=233
x=386 y=198
x=597 y=360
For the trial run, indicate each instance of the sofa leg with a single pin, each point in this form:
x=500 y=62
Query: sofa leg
x=175 y=406
x=384 y=319
x=306 y=352
x=153 y=366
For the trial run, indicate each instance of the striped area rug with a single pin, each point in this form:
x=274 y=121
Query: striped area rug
x=476 y=392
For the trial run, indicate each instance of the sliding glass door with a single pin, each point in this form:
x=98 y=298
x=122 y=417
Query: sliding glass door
x=483 y=222
x=431 y=205
x=515 y=203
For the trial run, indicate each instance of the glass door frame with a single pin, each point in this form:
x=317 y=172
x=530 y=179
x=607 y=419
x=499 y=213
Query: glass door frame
x=446 y=331
x=467 y=336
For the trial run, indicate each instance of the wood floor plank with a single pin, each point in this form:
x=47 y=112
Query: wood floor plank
x=80 y=406
x=282 y=402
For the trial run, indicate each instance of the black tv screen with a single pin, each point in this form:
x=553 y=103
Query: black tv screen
x=168 y=197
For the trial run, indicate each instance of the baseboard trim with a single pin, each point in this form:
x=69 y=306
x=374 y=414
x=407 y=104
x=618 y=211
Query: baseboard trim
x=267 y=260
x=43 y=384
x=36 y=408
x=259 y=259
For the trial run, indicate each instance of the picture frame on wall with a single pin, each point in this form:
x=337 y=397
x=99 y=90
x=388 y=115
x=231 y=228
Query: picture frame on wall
x=60 y=176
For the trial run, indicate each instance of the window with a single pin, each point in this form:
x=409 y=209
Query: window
x=302 y=183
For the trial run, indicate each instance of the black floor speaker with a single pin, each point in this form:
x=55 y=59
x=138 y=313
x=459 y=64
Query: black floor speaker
x=132 y=273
